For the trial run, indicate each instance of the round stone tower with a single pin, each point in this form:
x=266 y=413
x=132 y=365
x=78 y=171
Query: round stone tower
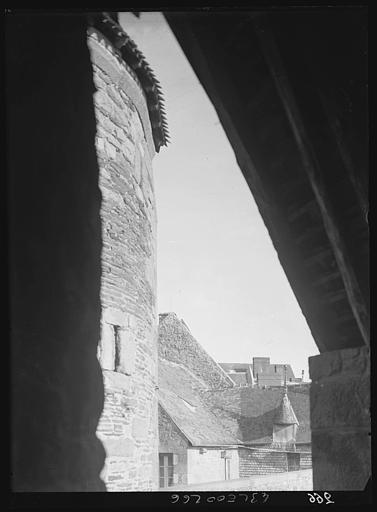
x=130 y=129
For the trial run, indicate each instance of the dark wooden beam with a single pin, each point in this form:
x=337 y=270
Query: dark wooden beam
x=230 y=80
x=334 y=124
x=313 y=171
x=326 y=278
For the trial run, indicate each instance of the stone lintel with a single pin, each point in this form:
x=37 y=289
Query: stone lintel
x=118 y=446
x=116 y=380
x=351 y=360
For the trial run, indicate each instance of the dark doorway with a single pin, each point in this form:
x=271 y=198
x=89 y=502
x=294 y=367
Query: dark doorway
x=293 y=460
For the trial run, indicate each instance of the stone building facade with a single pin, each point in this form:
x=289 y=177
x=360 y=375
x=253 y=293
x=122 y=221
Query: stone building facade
x=127 y=349
x=261 y=373
x=172 y=441
x=211 y=430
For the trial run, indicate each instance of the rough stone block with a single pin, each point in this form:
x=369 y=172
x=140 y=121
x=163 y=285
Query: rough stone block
x=111 y=150
x=137 y=165
x=128 y=150
x=115 y=380
x=120 y=447
x=114 y=316
x=103 y=101
x=100 y=144
x=341 y=460
x=127 y=353
x=340 y=402
x=139 y=428
x=107 y=347
x=340 y=419
x=139 y=193
x=111 y=197
x=352 y=360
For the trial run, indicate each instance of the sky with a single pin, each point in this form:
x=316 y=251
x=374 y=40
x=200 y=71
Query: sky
x=216 y=265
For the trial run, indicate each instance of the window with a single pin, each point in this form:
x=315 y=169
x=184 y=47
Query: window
x=166 y=469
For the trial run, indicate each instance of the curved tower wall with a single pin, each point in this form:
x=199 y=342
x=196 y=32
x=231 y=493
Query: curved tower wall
x=127 y=349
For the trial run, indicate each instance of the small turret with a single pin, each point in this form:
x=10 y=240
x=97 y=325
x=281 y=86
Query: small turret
x=285 y=421
x=285 y=414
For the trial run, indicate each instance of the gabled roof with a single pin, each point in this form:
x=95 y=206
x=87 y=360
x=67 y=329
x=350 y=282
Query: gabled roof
x=227 y=416
x=109 y=27
x=180 y=396
x=211 y=416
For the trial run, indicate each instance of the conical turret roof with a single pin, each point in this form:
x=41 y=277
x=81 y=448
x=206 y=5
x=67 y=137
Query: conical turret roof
x=285 y=414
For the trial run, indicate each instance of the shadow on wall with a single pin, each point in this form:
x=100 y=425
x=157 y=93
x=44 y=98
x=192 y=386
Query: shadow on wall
x=258 y=427
x=55 y=255
x=258 y=407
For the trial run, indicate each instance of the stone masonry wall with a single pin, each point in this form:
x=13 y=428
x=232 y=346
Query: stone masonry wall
x=177 y=344
x=261 y=462
x=305 y=460
x=172 y=441
x=265 y=461
x=128 y=345
x=340 y=419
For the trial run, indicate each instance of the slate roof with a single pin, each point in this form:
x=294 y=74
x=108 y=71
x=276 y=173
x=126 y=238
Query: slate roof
x=215 y=416
x=180 y=396
x=251 y=412
x=239 y=378
x=285 y=414
x=227 y=416
x=177 y=344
